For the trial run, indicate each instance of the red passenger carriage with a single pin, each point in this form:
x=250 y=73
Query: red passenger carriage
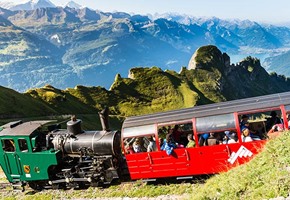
x=218 y=119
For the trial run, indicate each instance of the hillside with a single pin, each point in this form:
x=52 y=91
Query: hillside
x=66 y=46
x=265 y=177
x=147 y=90
x=16 y=105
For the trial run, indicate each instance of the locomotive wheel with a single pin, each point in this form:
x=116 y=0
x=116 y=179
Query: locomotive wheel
x=35 y=186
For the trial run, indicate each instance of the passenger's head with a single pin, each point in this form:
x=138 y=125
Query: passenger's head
x=160 y=141
x=245 y=117
x=189 y=137
x=227 y=133
x=233 y=136
x=150 y=138
x=137 y=141
x=245 y=131
x=176 y=127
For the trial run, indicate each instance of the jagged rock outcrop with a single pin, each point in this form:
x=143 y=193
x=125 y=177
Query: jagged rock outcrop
x=246 y=78
x=208 y=56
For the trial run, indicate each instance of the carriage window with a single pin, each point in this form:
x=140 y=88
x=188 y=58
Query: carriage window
x=140 y=144
x=8 y=145
x=219 y=137
x=22 y=144
x=177 y=133
x=215 y=123
x=260 y=125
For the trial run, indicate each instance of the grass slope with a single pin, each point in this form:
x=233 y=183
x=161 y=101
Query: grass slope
x=266 y=176
x=14 y=104
x=61 y=100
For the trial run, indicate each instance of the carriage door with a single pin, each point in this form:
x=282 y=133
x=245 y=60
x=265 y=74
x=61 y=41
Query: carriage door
x=11 y=158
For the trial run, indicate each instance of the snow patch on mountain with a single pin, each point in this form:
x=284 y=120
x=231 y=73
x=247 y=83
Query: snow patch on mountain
x=55 y=38
x=25 y=5
x=72 y=4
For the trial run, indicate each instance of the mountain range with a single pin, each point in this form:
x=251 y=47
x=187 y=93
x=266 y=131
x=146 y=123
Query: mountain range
x=68 y=46
x=209 y=78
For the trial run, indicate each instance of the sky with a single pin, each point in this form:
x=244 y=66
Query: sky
x=269 y=11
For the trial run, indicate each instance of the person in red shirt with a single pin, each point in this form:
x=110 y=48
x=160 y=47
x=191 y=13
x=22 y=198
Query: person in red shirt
x=129 y=149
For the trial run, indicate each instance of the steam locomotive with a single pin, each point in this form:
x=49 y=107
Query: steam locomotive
x=58 y=158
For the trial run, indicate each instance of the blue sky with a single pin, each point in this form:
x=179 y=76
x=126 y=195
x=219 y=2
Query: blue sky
x=274 y=11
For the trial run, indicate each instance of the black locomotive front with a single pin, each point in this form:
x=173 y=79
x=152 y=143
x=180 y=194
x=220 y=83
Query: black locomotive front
x=88 y=157
x=75 y=142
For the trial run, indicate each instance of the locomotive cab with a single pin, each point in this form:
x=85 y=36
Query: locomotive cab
x=20 y=162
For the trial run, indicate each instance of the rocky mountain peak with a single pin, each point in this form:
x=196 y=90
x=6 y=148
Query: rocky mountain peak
x=72 y=4
x=209 y=56
x=26 y=5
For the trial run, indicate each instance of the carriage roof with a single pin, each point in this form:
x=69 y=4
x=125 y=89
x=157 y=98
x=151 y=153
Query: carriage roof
x=241 y=105
x=18 y=128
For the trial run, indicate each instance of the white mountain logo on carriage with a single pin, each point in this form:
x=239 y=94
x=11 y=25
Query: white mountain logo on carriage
x=242 y=152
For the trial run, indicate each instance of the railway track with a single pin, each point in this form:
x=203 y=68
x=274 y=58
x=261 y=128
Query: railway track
x=4 y=186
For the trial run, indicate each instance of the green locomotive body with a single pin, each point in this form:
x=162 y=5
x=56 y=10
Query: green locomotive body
x=21 y=155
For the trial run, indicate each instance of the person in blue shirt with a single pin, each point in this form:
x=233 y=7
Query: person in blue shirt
x=202 y=141
x=169 y=145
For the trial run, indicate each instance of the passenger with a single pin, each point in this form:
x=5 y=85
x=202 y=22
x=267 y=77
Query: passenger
x=176 y=134
x=226 y=137
x=246 y=135
x=253 y=134
x=169 y=145
x=152 y=145
x=244 y=120
x=232 y=138
x=170 y=135
x=129 y=148
x=202 y=141
x=191 y=142
x=276 y=127
x=137 y=145
x=212 y=140
x=276 y=122
x=219 y=138
x=161 y=143
x=273 y=120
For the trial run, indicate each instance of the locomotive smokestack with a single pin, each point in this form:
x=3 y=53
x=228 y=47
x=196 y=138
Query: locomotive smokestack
x=74 y=125
x=104 y=118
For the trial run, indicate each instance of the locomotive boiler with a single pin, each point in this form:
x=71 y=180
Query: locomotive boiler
x=62 y=158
